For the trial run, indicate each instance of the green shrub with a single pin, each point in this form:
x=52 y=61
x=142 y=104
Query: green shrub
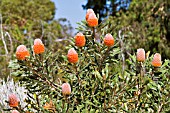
x=103 y=79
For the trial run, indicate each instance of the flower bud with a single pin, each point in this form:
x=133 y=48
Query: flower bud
x=89 y=11
x=66 y=89
x=140 y=55
x=92 y=20
x=109 y=40
x=72 y=56
x=22 y=52
x=38 y=46
x=13 y=101
x=156 y=62
x=80 y=40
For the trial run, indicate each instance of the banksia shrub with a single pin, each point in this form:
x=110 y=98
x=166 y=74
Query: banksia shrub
x=156 y=62
x=80 y=40
x=102 y=79
x=109 y=40
x=140 y=55
x=92 y=20
x=72 y=56
x=13 y=100
x=38 y=46
x=66 y=89
x=35 y=70
x=22 y=52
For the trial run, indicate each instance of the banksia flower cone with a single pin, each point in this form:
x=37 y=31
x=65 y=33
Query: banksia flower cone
x=80 y=40
x=15 y=111
x=92 y=20
x=38 y=46
x=66 y=89
x=13 y=101
x=72 y=56
x=140 y=55
x=156 y=62
x=22 y=52
x=89 y=11
x=109 y=40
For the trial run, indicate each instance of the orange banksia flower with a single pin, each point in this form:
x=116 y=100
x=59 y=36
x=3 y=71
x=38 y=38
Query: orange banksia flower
x=38 y=46
x=72 y=56
x=140 y=55
x=92 y=20
x=66 y=89
x=80 y=40
x=22 y=52
x=15 y=111
x=156 y=62
x=109 y=40
x=89 y=11
x=13 y=100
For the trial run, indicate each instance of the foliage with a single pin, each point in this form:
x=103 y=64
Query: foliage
x=103 y=80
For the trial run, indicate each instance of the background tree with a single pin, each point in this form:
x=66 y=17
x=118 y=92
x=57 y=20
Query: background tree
x=144 y=24
x=106 y=7
x=24 y=20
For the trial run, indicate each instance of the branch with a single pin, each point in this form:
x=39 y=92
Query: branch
x=56 y=86
x=121 y=38
x=10 y=39
x=2 y=36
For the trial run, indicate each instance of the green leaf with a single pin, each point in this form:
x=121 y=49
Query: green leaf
x=151 y=86
x=98 y=75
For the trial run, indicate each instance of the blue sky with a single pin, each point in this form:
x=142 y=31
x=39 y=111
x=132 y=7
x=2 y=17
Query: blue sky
x=70 y=9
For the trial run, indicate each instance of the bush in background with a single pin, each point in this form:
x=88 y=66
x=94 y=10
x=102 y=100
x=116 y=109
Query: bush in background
x=144 y=24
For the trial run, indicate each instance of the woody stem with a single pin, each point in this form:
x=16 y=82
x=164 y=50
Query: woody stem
x=79 y=81
x=94 y=34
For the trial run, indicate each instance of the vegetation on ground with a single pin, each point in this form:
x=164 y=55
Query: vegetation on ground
x=112 y=66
